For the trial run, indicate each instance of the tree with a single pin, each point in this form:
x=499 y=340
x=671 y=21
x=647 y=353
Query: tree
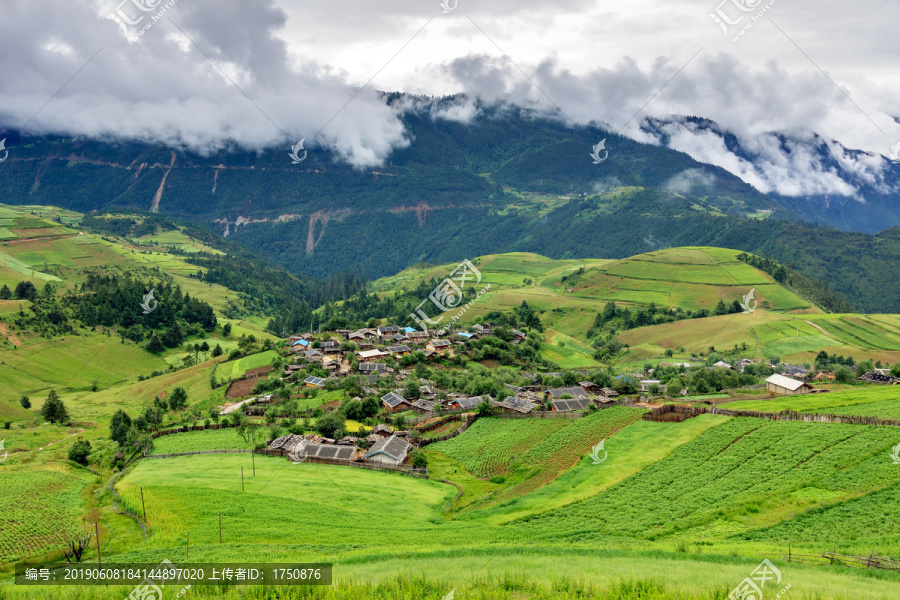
x=5 y=293
x=178 y=399
x=155 y=345
x=119 y=425
x=419 y=460
x=214 y=415
x=173 y=337
x=77 y=543
x=79 y=451
x=25 y=402
x=226 y=329
x=484 y=409
x=330 y=425
x=842 y=374
x=54 y=410
x=217 y=351
x=204 y=347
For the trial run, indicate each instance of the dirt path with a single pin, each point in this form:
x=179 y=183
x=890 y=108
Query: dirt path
x=819 y=328
x=4 y=331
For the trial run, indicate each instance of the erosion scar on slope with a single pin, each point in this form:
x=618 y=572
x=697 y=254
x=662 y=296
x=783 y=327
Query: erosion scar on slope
x=158 y=196
x=322 y=215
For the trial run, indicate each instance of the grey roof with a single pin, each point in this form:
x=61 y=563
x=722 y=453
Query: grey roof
x=312 y=353
x=380 y=367
x=314 y=380
x=389 y=329
x=330 y=451
x=519 y=333
x=570 y=405
x=397 y=349
x=517 y=404
x=394 y=399
x=428 y=405
x=382 y=427
x=472 y=402
x=439 y=343
x=393 y=446
x=515 y=389
x=330 y=344
x=575 y=392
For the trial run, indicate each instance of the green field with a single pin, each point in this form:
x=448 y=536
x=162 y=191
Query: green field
x=193 y=441
x=241 y=366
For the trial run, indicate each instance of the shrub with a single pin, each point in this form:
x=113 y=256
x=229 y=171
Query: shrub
x=80 y=451
x=498 y=479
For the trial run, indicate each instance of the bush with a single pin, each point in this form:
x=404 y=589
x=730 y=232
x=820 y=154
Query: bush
x=80 y=451
x=25 y=402
x=498 y=479
x=419 y=460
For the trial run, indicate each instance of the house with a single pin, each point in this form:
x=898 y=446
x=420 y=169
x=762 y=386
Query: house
x=424 y=406
x=609 y=392
x=570 y=405
x=363 y=335
x=370 y=355
x=427 y=390
x=314 y=382
x=468 y=403
x=513 y=388
x=516 y=405
x=603 y=402
x=468 y=336
x=313 y=355
x=387 y=332
x=575 y=392
x=408 y=330
x=394 y=402
x=347 y=440
x=478 y=328
x=330 y=346
x=399 y=338
x=519 y=335
x=417 y=337
x=646 y=383
x=299 y=345
x=438 y=345
x=779 y=384
x=401 y=350
x=382 y=430
x=723 y=365
x=390 y=450
x=590 y=387
x=377 y=368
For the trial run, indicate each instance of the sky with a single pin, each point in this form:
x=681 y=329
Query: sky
x=218 y=74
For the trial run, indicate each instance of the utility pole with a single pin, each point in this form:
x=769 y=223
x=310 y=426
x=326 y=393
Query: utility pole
x=144 y=506
x=97 y=535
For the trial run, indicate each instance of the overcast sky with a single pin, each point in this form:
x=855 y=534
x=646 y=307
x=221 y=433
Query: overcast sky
x=831 y=69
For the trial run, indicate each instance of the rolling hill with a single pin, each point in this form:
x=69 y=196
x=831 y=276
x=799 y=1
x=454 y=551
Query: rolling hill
x=570 y=293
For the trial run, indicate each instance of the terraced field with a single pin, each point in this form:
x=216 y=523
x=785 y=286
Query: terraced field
x=27 y=532
x=733 y=479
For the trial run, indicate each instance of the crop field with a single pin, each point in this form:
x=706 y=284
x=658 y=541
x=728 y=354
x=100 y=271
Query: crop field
x=734 y=478
x=25 y=531
x=839 y=397
x=531 y=452
x=241 y=366
x=192 y=441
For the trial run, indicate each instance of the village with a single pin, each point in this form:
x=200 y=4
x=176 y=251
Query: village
x=407 y=384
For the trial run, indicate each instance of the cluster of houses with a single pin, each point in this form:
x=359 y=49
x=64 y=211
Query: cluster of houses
x=385 y=447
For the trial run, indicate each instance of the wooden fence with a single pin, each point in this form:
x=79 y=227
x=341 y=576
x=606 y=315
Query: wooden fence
x=175 y=430
x=542 y=414
x=405 y=469
x=671 y=412
x=847 y=560
x=232 y=451
x=422 y=442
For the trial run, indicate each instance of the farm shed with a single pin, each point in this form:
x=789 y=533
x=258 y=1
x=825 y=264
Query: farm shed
x=516 y=405
x=779 y=384
x=469 y=403
x=394 y=402
x=570 y=405
x=575 y=392
x=424 y=406
x=390 y=450
x=316 y=382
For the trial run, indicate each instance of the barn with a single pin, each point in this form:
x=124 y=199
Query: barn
x=785 y=386
x=390 y=450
